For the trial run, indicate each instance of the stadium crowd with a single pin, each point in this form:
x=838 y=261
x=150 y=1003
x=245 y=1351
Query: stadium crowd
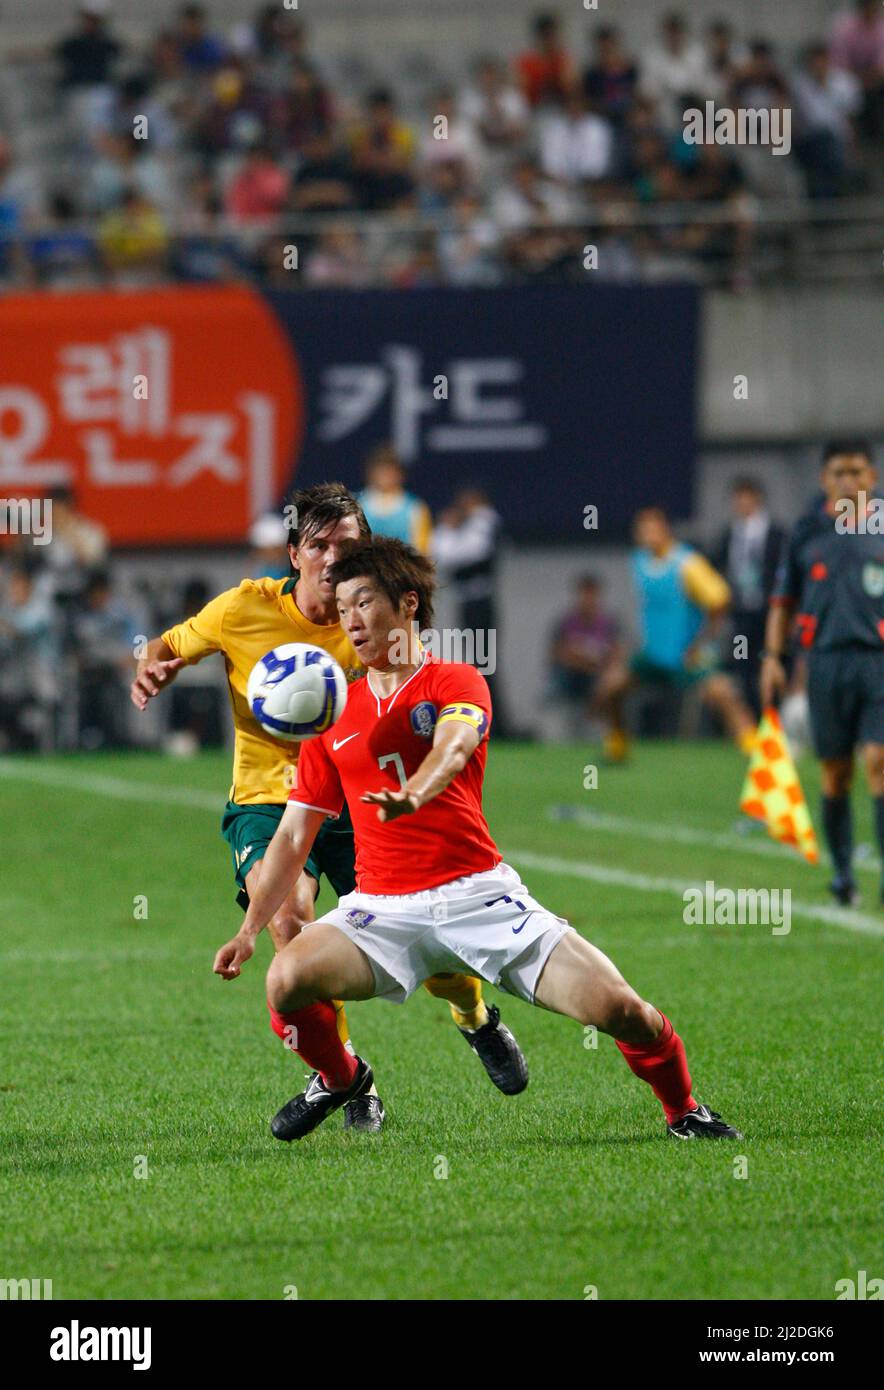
x=204 y=155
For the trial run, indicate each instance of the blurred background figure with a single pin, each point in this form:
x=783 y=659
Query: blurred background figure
x=389 y=509
x=77 y=549
x=466 y=547
x=585 y=645
x=546 y=70
x=269 y=558
x=104 y=634
x=857 y=47
x=747 y=553
x=29 y=671
x=682 y=602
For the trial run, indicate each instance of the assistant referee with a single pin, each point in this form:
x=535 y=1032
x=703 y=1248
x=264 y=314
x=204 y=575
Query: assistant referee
x=829 y=590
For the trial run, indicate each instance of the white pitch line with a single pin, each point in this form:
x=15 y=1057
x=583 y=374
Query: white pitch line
x=151 y=793
x=60 y=779
x=665 y=832
x=844 y=917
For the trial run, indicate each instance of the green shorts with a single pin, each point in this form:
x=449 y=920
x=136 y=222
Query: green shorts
x=249 y=829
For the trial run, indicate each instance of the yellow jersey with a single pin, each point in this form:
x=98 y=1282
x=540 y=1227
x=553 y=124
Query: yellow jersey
x=245 y=624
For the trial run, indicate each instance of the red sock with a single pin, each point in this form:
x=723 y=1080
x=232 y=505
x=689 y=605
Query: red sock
x=313 y=1034
x=664 y=1065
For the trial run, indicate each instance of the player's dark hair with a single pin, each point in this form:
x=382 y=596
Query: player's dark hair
x=395 y=567
x=853 y=445
x=320 y=506
x=746 y=484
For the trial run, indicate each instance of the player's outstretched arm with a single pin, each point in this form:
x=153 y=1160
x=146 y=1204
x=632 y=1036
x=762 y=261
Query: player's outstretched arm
x=157 y=668
x=453 y=746
x=285 y=858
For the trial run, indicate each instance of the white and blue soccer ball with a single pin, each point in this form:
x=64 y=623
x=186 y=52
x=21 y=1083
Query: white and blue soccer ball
x=297 y=691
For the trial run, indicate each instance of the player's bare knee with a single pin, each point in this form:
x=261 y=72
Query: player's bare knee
x=626 y=1016
x=285 y=979
x=286 y=925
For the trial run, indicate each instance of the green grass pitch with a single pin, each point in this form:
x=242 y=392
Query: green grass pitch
x=120 y=1047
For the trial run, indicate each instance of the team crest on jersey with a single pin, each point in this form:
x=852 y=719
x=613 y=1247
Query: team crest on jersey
x=873 y=580
x=423 y=719
x=358 y=918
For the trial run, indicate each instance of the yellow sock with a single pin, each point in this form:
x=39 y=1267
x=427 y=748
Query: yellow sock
x=463 y=994
x=343 y=1026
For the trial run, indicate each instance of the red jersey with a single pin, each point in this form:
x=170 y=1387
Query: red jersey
x=380 y=742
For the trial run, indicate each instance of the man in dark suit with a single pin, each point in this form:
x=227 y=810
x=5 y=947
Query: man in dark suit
x=747 y=553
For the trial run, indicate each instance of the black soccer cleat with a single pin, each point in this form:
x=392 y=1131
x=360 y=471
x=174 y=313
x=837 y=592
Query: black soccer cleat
x=366 y=1113
x=499 y=1053
x=844 y=891
x=702 y=1123
x=304 y=1112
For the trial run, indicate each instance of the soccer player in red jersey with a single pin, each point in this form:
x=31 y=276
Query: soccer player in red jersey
x=408 y=754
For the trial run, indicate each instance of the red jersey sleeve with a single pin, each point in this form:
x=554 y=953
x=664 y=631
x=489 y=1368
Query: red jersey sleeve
x=318 y=784
x=462 y=695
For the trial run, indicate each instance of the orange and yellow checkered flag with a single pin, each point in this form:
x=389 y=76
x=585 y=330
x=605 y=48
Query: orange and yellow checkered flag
x=772 y=792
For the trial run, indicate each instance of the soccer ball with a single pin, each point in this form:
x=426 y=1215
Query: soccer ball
x=297 y=691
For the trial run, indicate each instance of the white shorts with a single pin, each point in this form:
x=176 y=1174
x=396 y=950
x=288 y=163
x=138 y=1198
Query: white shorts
x=485 y=924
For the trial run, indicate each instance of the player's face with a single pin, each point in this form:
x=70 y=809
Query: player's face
x=316 y=555
x=371 y=622
x=846 y=475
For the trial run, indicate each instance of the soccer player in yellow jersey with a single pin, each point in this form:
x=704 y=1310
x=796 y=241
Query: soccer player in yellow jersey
x=244 y=624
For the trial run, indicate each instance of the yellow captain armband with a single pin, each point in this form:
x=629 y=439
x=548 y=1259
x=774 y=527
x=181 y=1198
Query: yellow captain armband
x=465 y=714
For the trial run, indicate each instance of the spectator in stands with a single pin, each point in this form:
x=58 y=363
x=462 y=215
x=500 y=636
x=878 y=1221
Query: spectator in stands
x=674 y=71
x=324 y=179
x=724 y=56
x=123 y=162
x=63 y=255
x=527 y=199
x=20 y=201
x=610 y=81
x=857 y=46
x=136 y=100
x=87 y=61
x=576 y=146
x=104 y=634
x=201 y=252
x=530 y=212
x=717 y=179
x=747 y=553
x=449 y=139
x=389 y=508
x=585 y=645
x=303 y=111
x=28 y=662
x=172 y=88
x=825 y=100
x=495 y=108
x=383 y=149
x=338 y=261
x=467 y=246
x=236 y=114
x=260 y=188
x=546 y=71
x=134 y=241
x=201 y=51
x=759 y=84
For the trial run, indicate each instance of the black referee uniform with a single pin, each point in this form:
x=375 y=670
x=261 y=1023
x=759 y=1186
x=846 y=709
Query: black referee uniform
x=834 y=579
